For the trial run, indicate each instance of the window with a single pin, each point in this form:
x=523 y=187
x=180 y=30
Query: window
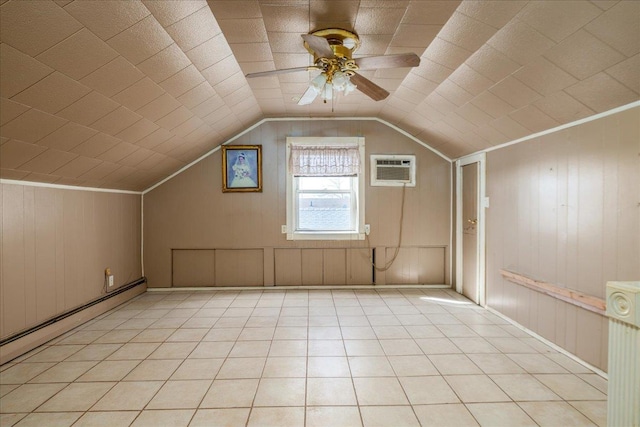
x=325 y=188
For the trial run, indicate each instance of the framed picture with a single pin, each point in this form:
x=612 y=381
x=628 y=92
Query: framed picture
x=241 y=168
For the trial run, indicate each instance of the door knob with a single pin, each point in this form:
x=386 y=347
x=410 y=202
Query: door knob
x=472 y=221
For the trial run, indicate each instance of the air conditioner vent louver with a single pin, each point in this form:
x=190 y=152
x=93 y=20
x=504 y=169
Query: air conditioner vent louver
x=393 y=170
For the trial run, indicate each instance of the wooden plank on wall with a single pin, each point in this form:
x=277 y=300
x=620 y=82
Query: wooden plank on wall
x=239 y=267
x=359 y=268
x=588 y=302
x=334 y=266
x=193 y=267
x=311 y=267
x=288 y=266
x=416 y=265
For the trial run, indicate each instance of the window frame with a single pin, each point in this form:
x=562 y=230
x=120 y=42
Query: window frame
x=291 y=192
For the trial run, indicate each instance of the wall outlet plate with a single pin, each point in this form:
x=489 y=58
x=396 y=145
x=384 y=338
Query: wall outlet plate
x=283 y=229
x=367 y=229
x=110 y=280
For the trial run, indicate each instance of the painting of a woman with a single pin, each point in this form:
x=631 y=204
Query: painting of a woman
x=242 y=168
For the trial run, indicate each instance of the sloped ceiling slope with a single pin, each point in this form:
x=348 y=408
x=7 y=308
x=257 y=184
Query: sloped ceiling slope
x=120 y=94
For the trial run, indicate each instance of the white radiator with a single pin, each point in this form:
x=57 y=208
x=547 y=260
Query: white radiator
x=623 y=310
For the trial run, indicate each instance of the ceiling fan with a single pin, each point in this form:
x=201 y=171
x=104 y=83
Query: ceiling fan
x=332 y=51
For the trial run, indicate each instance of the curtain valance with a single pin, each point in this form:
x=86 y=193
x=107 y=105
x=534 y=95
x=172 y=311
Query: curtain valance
x=306 y=160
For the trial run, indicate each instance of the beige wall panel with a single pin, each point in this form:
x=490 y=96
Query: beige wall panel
x=431 y=264
x=239 y=267
x=415 y=266
x=359 y=268
x=312 y=267
x=564 y=209
x=190 y=210
x=334 y=267
x=193 y=267
x=55 y=246
x=288 y=267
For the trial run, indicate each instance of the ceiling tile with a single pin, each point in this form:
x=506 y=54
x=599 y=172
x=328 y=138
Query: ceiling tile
x=197 y=95
x=96 y=145
x=67 y=137
x=243 y=30
x=14 y=153
x=34 y=26
x=41 y=177
x=137 y=131
x=601 y=92
x=107 y=18
x=378 y=21
x=155 y=139
x=582 y=55
x=222 y=70
x=558 y=19
x=9 y=110
x=159 y=107
x=470 y=80
x=139 y=94
x=618 y=27
x=515 y=92
x=53 y=93
x=165 y=63
x=544 y=77
x=247 y=52
x=231 y=9
x=563 y=108
x=99 y=172
x=118 y=152
x=491 y=63
x=454 y=93
x=48 y=161
x=283 y=18
x=432 y=71
x=113 y=77
x=419 y=84
x=208 y=53
x=509 y=127
x=466 y=32
x=165 y=147
x=208 y=106
x=195 y=29
x=492 y=12
x=280 y=43
x=474 y=114
x=627 y=72
x=333 y=11
x=186 y=128
x=79 y=55
x=89 y=109
x=373 y=44
x=429 y=12
x=170 y=12
x=77 y=167
x=19 y=71
x=447 y=54
x=440 y=103
x=141 y=41
x=119 y=174
x=31 y=126
x=136 y=157
x=414 y=36
x=174 y=118
x=491 y=134
x=182 y=81
x=533 y=119
x=491 y=104
x=12 y=174
x=520 y=42
x=116 y=121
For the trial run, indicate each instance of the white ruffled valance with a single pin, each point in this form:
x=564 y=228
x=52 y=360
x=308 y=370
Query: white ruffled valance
x=308 y=160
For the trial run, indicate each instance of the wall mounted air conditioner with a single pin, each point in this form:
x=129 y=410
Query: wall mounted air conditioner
x=393 y=170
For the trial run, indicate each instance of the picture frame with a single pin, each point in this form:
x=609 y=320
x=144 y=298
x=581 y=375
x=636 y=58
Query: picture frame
x=241 y=168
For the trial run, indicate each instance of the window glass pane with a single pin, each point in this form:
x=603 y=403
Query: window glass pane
x=324 y=182
x=324 y=212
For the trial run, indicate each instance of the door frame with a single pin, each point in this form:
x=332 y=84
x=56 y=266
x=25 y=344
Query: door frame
x=482 y=203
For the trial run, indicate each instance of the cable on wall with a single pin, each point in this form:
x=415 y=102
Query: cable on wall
x=397 y=251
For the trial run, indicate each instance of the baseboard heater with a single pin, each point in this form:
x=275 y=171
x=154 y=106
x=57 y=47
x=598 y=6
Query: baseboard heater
x=73 y=311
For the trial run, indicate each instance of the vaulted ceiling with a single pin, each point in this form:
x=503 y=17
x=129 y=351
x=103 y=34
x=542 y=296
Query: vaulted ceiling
x=120 y=94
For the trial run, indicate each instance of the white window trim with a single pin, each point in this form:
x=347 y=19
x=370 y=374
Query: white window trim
x=292 y=234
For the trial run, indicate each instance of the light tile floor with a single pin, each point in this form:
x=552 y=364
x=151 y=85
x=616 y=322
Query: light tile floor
x=329 y=358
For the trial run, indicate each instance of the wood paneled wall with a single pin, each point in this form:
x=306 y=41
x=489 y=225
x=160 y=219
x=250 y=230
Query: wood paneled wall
x=55 y=247
x=190 y=212
x=565 y=209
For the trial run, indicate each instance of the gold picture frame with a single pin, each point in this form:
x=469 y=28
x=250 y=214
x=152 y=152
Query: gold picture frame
x=241 y=168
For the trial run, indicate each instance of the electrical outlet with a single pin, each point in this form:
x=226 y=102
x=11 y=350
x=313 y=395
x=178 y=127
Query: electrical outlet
x=110 y=280
x=283 y=229
x=367 y=229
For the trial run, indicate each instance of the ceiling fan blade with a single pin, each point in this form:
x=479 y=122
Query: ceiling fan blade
x=281 y=71
x=388 y=61
x=319 y=45
x=308 y=96
x=369 y=88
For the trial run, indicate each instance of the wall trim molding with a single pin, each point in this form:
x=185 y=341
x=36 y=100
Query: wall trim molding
x=66 y=187
x=558 y=128
x=549 y=343
x=287 y=119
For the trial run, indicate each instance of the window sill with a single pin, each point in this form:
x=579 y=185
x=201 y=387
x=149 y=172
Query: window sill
x=319 y=235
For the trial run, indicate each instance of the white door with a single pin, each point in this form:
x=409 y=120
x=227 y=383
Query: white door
x=470 y=231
